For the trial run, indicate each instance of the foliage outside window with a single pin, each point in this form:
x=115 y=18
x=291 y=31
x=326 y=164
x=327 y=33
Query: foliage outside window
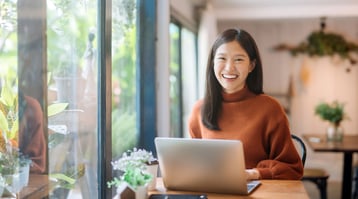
x=71 y=37
x=174 y=80
x=124 y=128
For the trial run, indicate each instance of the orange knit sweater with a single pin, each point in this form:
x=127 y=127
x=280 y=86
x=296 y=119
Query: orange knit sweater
x=31 y=135
x=260 y=122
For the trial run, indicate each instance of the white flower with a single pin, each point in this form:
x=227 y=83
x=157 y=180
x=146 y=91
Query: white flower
x=133 y=165
x=137 y=158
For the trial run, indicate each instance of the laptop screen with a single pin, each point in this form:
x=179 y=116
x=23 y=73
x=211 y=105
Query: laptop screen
x=207 y=165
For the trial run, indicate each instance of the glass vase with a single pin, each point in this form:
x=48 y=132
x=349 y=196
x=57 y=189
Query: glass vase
x=334 y=133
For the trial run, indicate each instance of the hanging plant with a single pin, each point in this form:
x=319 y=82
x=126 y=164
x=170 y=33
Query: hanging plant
x=320 y=43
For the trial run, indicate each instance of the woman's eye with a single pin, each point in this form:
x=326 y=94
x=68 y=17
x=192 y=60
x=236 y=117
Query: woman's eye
x=220 y=58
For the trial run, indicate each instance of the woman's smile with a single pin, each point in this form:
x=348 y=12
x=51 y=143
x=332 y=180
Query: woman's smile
x=230 y=76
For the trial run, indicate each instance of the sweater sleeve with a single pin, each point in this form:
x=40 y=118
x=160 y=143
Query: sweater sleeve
x=194 y=121
x=284 y=161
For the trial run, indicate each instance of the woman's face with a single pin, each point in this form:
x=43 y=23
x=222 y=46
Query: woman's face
x=232 y=66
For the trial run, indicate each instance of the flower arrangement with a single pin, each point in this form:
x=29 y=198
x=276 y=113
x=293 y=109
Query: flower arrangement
x=132 y=164
x=331 y=112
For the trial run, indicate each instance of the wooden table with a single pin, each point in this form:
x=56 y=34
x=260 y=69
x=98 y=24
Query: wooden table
x=348 y=146
x=278 y=189
x=37 y=188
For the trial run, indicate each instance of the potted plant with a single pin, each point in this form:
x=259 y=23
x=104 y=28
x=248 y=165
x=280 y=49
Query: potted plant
x=321 y=43
x=15 y=168
x=334 y=114
x=135 y=174
x=11 y=160
x=14 y=165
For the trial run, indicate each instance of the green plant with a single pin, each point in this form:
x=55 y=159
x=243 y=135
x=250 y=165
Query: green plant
x=123 y=126
x=132 y=164
x=321 y=43
x=8 y=114
x=11 y=160
x=331 y=112
x=68 y=179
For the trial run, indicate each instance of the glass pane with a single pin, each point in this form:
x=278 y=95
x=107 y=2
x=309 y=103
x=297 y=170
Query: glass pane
x=9 y=115
x=189 y=74
x=174 y=80
x=124 y=127
x=72 y=66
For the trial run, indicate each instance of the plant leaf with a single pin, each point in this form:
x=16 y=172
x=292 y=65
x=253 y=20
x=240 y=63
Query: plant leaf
x=57 y=108
x=14 y=129
x=4 y=126
x=7 y=96
x=63 y=177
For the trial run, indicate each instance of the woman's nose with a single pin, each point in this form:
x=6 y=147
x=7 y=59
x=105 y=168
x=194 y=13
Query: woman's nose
x=229 y=65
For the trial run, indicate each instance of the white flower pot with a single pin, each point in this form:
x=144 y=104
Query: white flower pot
x=141 y=192
x=153 y=170
x=13 y=183
x=24 y=175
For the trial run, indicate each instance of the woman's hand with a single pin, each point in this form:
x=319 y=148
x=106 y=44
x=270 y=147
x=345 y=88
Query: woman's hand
x=252 y=174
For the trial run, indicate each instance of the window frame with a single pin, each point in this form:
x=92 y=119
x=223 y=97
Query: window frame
x=146 y=78
x=184 y=25
x=146 y=73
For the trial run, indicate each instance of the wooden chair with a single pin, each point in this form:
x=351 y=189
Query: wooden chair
x=317 y=176
x=300 y=145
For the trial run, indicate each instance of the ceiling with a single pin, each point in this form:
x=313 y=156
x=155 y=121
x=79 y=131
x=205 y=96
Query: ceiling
x=271 y=9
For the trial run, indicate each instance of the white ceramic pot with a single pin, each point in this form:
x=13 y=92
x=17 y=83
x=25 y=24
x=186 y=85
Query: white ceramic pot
x=141 y=192
x=24 y=175
x=153 y=170
x=13 y=183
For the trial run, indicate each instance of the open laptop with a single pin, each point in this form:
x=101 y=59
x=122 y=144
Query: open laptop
x=203 y=165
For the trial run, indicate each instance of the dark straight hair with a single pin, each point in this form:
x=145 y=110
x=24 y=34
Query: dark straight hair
x=213 y=91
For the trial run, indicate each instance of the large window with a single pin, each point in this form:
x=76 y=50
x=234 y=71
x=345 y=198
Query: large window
x=54 y=110
x=175 y=82
x=124 y=44
x=72 y=65
x=183 y=73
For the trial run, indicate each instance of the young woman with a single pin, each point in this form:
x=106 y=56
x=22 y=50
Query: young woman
x=32 y=141
x=235 y=107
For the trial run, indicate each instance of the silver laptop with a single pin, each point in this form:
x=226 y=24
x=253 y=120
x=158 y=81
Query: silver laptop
x=203 y=165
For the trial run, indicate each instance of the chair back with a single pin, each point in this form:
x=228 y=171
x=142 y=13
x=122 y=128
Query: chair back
x=301 y=147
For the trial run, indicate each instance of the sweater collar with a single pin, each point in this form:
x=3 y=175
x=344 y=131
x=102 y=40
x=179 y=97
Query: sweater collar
x=237 y=96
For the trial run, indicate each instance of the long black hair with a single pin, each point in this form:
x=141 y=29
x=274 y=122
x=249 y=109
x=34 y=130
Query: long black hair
x=213 y=90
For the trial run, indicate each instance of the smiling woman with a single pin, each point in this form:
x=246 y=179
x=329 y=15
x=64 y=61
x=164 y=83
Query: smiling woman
x=234 y=107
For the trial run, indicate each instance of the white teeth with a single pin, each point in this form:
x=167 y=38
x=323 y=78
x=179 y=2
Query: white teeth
x=230 y=76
